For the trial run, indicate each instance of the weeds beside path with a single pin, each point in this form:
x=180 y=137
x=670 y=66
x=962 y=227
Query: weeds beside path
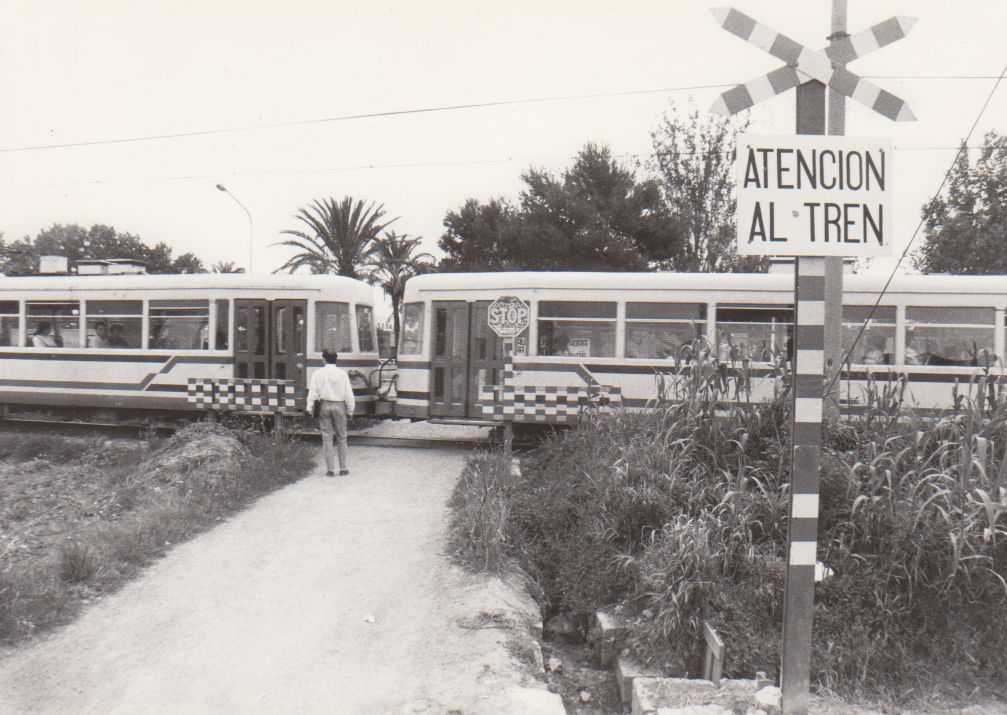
x=81 y=516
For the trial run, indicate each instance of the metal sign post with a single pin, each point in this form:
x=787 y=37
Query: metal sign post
x=508 y=317
x=810 y=72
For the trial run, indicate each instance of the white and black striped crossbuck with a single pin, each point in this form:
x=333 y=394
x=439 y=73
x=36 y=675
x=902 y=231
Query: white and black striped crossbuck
x=802 y=64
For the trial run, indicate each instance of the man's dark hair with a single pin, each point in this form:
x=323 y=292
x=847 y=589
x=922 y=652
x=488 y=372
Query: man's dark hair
x=330 y=356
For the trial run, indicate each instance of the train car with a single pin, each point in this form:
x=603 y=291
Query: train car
x=625 y=330
x=137 y=342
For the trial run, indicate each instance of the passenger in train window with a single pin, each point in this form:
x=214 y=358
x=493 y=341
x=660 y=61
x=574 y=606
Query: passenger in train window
x=43 y=337
x=116 y=339
x=156 y=340
x=875 y=353
x=100 y=337
x=915 y=353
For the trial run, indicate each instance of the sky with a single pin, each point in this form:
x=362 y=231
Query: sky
x=263 y=91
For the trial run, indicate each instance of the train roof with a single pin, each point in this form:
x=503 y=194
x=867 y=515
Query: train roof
x=571 y=280
x=187 y=281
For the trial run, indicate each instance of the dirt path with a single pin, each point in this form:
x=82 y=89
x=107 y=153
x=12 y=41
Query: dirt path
x=271 y=612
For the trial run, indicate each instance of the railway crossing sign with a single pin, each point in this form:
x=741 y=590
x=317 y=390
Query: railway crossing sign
x=810 y=71
x=508 y=316
x=808 y=195
x=803 y=64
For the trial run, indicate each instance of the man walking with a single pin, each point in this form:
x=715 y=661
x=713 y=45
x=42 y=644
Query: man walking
x=331 y=385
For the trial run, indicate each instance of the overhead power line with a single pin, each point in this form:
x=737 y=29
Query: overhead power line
x=909 y=245
x=350 y=117
x=419 y=110
x=391 y=166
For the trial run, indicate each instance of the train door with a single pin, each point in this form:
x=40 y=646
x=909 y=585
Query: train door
x=251 y=339
x=449 y=359
x=486 y=356
x=288 y=344
x=270 y=340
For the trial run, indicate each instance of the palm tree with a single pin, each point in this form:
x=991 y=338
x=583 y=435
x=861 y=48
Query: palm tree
x=226 y=267
x=339 y=239
x=393 y=261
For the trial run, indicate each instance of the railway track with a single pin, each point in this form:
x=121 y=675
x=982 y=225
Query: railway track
x=138 y=431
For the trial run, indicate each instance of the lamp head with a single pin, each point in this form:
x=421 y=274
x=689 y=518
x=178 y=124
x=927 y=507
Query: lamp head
x=220 y=187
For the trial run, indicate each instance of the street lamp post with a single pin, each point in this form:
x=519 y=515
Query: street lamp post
x=221 y=187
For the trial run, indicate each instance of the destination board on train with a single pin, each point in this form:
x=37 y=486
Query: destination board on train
x=801 y=195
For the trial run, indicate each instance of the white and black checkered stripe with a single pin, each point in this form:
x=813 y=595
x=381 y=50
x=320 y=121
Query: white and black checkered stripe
x=542 y=403
x=243 y=395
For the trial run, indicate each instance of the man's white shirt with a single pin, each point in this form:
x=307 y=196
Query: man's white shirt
x=331 y=383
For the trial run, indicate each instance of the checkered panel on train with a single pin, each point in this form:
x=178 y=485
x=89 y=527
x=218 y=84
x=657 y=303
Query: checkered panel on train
x=243 y=395
x=545 y=404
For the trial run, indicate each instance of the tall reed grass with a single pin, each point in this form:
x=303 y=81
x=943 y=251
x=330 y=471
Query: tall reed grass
x=680 y=514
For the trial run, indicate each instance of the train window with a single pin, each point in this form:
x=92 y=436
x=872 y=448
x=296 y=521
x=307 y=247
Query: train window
x=179 y=325
x=365 y=328
x=298 y=329
x=576 y=328
x=53 y=324
x=332 y=327
x=241 y=329
x=663 y=330
x=114 y=323
x=576 y=309
x=753 y=332
x=223 y=325
x=9 y=311
x=412 y=329
x=280 y=329
x=876 y=346
x=949 y=336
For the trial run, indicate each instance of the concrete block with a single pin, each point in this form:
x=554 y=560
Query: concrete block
x=696 y=710
x=606 y=636
x=626 y=671
x=651 y=694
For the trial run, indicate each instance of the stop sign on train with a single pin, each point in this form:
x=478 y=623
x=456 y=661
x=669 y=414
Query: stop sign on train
x=508 y=316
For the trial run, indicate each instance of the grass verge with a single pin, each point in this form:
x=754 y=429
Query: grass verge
x=81 y=516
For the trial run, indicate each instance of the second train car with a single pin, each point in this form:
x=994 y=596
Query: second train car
x=624 y=330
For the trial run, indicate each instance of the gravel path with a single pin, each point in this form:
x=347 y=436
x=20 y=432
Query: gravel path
x=331 y=595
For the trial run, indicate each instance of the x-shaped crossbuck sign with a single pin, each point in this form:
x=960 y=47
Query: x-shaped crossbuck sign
x=826 y=65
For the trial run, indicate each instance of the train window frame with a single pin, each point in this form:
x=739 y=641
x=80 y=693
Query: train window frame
x=414 y=317
x=6 y=314
x=222 y=323
x=883 y=322
x=584 y=320
x=979 y=357
x=94 y=310
x=652 y=315
x=319 y=322
x=359 y=310
x=64 y=321
x=178 y=310
x=730 y=352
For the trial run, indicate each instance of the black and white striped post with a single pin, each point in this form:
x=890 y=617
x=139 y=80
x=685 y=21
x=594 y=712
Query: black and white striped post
x=810 y=72
x=802 y=540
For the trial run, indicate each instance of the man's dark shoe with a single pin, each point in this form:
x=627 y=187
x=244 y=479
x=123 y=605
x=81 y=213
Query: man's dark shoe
x=330 y=474
x=344 y=472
